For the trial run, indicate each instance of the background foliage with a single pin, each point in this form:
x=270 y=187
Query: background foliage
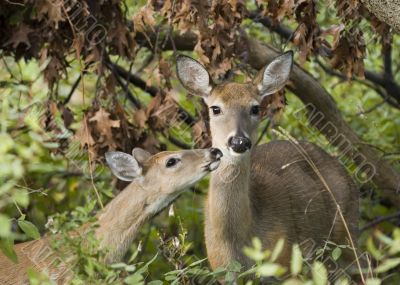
x=79 y=78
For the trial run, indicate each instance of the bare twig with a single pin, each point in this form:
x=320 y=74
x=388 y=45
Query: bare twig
x=153 y=91
x=73 y=88
x=379 y=220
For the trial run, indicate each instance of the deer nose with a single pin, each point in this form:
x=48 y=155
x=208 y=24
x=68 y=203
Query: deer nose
x=216 y=154
x=239 y=144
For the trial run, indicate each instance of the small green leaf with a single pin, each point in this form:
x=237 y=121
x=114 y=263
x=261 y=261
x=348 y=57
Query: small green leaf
x=134 y=279
x=319 y=273
x=296 y=261
x=277 y=249
x=155 y=282
x=373 y=281
x=29 y=229
x=336 y=253
x=387 y=265
x=270 y=269
x=5 y=226
x=234 y=266
x=293 y=281
x=7 y=247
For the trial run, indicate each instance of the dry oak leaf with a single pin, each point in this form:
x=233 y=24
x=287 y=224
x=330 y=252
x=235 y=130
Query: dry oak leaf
x=104 y=126
x=83 y=135
x=21 y=36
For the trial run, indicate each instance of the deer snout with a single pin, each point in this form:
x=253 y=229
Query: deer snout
x=239 y=144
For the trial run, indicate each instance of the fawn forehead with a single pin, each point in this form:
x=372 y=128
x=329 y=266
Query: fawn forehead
x=162 y=156
x=235 y=94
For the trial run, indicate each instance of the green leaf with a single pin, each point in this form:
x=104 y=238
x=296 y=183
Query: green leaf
x=155 y=282
x=29 y=229
x=373 y=250
x=197 y=262
x=277 y=249
x=145 y=267
x=7 y=247
x=388 y=264
x=373 y=281
x=21 y=197
x=134 y=279
x=270 y=269
x=336 y=253
x=319 y=273
x=293 y=281
x=234 y=266
x=5 y=226
x=296 y=261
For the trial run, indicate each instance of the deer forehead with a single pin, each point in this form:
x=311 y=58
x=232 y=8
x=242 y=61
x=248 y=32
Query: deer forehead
x=234 y=94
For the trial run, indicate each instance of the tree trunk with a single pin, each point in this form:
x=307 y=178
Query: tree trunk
x=387 y=11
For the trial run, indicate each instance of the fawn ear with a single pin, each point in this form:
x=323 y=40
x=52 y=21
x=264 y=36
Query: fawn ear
x=193 y=76
x=140 y=155
x=123 y=165
x=275 y=75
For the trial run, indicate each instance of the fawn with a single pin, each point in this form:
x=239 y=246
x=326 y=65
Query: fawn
x=156 y=181
x=269 y=191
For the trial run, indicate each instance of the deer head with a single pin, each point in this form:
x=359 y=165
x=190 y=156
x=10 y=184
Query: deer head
x=234 y=107
x=167 y=172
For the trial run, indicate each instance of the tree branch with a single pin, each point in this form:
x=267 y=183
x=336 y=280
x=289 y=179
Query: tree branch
x=312 y=94
x=381 y=220
x=140 y=83
x=317 y=99
x=128 y=93
x=388 y=83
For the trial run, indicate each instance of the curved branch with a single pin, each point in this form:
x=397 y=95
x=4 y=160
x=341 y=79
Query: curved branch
x=313 y=94
x=379 y=220
x=140 y=83
x=319 y=101
x=387 y=82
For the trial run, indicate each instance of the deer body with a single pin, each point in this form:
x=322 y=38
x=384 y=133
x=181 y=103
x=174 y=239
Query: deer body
x=271 y=201
x=269 y=191
x=151 y=190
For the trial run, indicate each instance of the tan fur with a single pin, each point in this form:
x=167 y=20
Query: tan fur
x=264 y=198
x=119 y=222
x=269 y=191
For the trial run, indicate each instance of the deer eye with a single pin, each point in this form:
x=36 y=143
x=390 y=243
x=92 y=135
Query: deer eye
x=255 y=110
x=171 y=162
x=216 y=110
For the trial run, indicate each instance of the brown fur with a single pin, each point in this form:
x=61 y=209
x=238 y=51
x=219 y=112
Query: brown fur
x=289 y=203
x=119 y=222
x=269 y=191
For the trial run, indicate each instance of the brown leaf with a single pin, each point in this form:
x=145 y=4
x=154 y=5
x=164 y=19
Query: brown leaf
x=83 y=134
x=21 y=36
x=104 y=127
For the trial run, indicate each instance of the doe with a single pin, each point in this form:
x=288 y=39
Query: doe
x=270 y=191
x=156 y=182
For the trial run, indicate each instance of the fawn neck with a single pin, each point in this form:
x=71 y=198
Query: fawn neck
x=121 y=219
x=229 y=209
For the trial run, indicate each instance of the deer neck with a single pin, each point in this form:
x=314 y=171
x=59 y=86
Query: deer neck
x=120 y=221
x=229 y=209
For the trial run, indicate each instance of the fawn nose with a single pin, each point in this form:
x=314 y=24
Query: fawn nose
x=216 y=154
x=239 y=144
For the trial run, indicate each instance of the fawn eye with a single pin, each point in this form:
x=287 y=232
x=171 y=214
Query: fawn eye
x=171 y=162
x=255 y=110
x=216 y=110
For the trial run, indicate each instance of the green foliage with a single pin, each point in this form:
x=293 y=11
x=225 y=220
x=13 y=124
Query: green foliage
x=39 y=178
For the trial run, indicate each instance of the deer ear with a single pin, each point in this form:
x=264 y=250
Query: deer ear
x=193 y=76
x=140 y=155
x=123 y=165
x=275 y=75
